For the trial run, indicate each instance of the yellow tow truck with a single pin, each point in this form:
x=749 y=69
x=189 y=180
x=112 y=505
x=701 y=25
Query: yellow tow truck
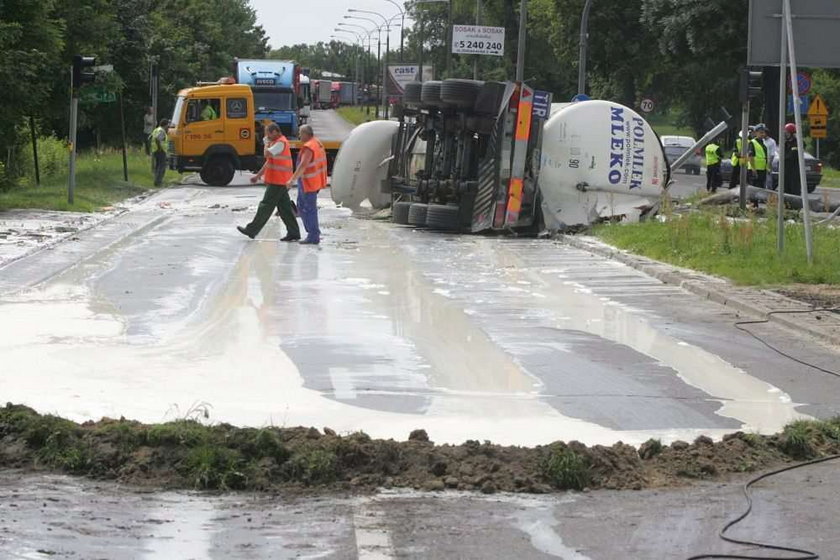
x=214 y=131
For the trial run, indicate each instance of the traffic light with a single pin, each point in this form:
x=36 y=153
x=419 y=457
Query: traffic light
x=79 y=76
x=751 y=84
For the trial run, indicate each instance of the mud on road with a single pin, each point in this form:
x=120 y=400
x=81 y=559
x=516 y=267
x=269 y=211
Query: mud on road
x=189 y=454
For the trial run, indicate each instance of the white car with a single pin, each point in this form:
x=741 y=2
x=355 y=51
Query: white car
x=675 y=146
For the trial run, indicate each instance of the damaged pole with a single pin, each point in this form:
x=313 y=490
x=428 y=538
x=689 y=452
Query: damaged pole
x=800 y=146
x=780 y=184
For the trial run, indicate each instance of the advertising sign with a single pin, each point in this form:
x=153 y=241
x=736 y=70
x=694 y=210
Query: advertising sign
x=401 y=74
x=478 y=39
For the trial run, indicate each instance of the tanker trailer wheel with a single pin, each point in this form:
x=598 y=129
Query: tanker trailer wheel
x=413 y=91
x=399 y=212
x=443 y=217
x=460 y=93
x=430 y=94
x=417 y=214
x=217 y=172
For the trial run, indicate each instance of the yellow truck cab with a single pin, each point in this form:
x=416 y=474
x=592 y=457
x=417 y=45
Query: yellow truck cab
x=213 y=131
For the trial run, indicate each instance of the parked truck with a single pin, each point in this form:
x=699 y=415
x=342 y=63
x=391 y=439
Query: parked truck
x=218 y=142
x=276 y=89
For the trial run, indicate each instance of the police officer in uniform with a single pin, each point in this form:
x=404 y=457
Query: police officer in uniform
x=761 y=161
x=735 y=178
x=714 y=155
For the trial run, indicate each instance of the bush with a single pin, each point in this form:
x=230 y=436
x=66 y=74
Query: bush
x=52 y=159
x=565 y=469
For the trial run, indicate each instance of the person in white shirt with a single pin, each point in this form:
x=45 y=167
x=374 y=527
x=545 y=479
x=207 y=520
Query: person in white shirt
x=148 y=127
x=772 y=150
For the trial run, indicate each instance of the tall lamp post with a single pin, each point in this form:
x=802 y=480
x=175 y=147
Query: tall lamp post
x=378 y=44
x=358 y=45
x=387 y=24
x=402 y=25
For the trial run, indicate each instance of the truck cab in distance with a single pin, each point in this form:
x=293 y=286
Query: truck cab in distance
x=216 y=130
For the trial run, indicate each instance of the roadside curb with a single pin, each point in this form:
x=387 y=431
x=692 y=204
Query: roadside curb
x=749 y=301
x=20 y=265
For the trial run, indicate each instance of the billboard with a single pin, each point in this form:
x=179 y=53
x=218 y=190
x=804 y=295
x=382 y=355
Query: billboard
x=816 y=33
x=401 y=74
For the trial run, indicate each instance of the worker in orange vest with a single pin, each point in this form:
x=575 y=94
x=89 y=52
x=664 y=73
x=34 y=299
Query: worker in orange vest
x=310 y=177
x=277 y=170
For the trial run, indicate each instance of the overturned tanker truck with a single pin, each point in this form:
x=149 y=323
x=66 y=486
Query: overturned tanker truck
x=471 y=156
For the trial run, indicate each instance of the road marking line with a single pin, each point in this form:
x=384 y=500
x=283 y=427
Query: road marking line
x=373 y=542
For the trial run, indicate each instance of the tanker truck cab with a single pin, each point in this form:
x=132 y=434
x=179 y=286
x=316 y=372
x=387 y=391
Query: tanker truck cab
x=212 y=131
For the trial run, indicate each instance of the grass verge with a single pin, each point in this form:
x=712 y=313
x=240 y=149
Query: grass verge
x=189 y=454
x=357 y=115
x=830 y=178
x=99 y=183
x=741 y=250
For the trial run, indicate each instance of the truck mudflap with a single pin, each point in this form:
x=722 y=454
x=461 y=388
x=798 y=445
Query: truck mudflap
x=599 y=160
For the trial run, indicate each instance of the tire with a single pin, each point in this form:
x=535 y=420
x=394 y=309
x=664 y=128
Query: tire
x=489 y=98
x=443 y=217
x=460 y=93
x=413 y=91
x=430 y=94
x=399 y=212
x=417 y=214
x=217 y=172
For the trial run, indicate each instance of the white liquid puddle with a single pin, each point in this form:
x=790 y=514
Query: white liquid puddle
x=60 y=356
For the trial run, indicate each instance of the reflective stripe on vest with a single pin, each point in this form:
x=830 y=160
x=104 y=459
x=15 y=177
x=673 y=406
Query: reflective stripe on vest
x=760 y=155
x=315 y=174
x=279 y=169
x=711 y=154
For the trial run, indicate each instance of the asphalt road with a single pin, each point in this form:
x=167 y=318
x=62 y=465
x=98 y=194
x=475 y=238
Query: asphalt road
x=383 y=329
x=167 y=310
x=59 y=517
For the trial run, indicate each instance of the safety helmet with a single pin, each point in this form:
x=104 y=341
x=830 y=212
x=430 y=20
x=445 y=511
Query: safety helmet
x=790 y=127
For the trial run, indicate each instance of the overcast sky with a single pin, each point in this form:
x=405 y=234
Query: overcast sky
x=289 y=22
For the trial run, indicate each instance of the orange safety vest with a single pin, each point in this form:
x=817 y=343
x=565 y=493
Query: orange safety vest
x=279 y=169
x=315 y=174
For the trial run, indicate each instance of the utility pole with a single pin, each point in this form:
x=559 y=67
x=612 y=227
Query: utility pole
x=78 y=77
x=449 y=36
x=476 y=56
x=584 y=43
x=520 y=49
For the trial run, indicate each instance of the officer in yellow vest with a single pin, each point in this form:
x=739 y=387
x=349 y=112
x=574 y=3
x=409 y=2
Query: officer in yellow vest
x=735 y=178
x=761 y=161
x=714 y=155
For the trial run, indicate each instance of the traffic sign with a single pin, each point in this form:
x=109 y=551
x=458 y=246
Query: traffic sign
x=818 y=107
x=646 y=105
x=803 y=81
x=542 y=104
x=818 y=125
x=803 y=109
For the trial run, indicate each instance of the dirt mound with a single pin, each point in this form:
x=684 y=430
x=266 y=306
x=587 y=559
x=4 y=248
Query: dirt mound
x=189 y=454
x=818 y=295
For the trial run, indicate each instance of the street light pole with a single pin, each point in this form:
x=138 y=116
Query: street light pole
x=402 y=25
x=584 y=39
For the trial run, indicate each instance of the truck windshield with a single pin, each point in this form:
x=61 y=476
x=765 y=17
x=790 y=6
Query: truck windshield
x=176 y=113
x=273 y=100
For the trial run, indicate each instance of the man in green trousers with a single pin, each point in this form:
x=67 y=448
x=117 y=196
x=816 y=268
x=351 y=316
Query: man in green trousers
x=277 y=170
